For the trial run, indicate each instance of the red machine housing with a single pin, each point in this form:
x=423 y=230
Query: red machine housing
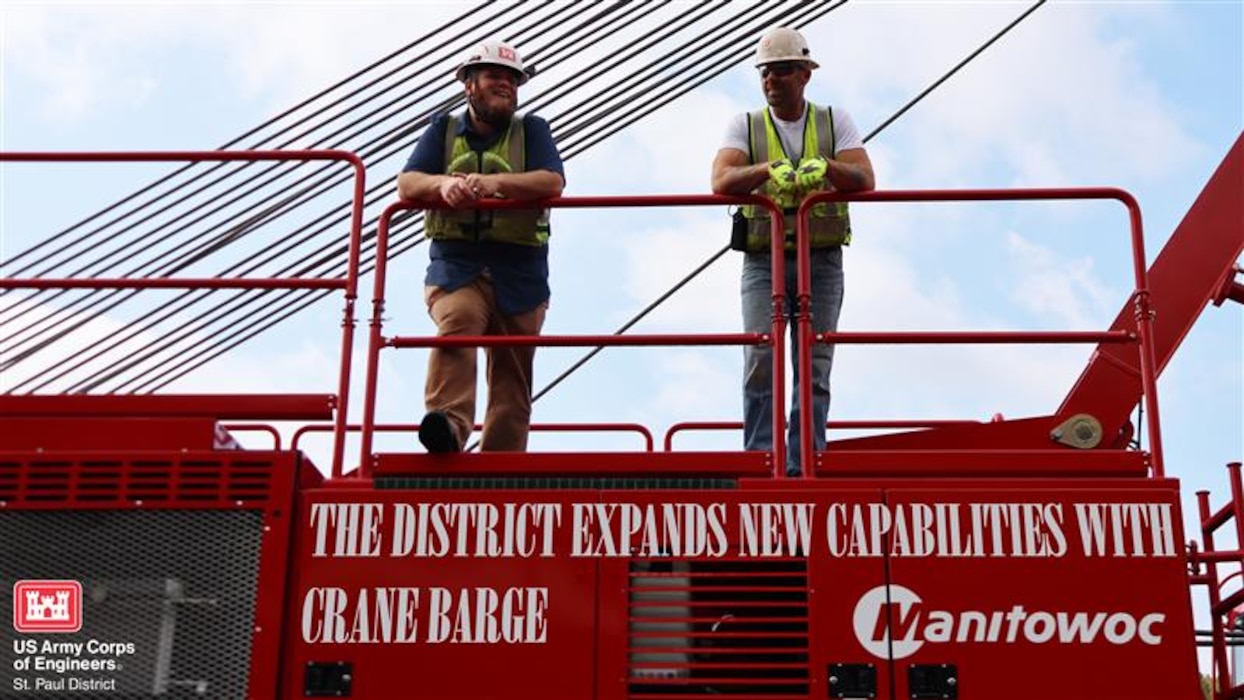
x=999 y=560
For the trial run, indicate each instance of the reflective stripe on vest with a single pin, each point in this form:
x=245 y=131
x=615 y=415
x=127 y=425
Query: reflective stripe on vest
x=829 y=222
x=522 y=226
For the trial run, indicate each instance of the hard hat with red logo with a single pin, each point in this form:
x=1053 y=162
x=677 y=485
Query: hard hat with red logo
x=782 y=44
x=494 y=53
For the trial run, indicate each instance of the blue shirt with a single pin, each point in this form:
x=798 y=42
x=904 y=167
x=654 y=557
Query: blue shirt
x=519 y=273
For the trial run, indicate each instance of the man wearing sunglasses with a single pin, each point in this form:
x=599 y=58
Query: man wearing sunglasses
x=788 y=150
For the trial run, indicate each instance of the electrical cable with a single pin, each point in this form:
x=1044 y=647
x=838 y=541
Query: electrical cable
x=716 y=256
x=575 y=148
x=83 y=387
x=113 y=369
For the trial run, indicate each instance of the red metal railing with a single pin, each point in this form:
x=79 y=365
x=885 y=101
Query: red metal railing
x=802 y=306
x=1210 y=558
x=776 y=339
x=1144 y=315
x=641 y=430
x=377 y=341
x=688 y=426
x=348 y=284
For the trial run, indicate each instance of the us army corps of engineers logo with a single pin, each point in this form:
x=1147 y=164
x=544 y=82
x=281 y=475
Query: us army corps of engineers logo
x=43 y=663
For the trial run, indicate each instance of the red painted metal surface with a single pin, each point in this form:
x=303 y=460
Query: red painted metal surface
x=256 y=428
x=982 y=463
x=1089 y=580
x=413 y=428
x=117 y=433
x=222 y=406
x=588 y=464
x=1095 y=594
x=688 y=426
x=576 y=341
x=170 y=283
x=426 y=663
x=134 y=479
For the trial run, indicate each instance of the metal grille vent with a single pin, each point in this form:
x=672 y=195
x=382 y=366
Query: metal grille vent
x=89 y=480
x=179 y=585
x=718 y=628
x=551 y=483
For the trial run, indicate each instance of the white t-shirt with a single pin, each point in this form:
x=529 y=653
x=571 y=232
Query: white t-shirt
x=846 y=135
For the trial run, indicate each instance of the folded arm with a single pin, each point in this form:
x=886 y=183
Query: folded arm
x=732 y=174
x=851 y=171
x=460 y=190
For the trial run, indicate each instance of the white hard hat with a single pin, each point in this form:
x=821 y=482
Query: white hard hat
x=494 y=53
x=783 y=44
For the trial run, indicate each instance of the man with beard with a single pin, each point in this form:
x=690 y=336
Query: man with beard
x=488 y=269
x=789 y=150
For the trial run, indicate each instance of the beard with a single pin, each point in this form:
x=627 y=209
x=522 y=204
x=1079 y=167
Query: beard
x=493 y=112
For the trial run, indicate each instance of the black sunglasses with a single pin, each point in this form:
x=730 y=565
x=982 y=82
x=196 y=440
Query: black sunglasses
x=781 y=70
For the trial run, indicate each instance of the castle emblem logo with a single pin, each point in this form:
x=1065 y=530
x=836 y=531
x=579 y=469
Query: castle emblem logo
x=47 y=606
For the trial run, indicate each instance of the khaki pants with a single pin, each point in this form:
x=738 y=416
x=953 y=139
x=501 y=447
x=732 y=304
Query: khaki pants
x=472 y=310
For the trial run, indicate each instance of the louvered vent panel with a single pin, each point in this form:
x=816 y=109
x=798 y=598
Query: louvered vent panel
x=718 y=627
x=90 y=480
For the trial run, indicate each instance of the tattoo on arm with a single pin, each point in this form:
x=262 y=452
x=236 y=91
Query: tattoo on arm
x=857 y=176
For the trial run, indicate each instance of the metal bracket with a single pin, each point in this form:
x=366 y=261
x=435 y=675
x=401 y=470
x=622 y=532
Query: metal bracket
x=1081 y=431
x=852 y=681
x=328 y=679
x=933 y=681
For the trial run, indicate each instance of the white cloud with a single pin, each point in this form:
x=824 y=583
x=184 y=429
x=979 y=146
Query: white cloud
x=694 y=384
x=1065 y=83
x=1056 y=288
x=86 y=58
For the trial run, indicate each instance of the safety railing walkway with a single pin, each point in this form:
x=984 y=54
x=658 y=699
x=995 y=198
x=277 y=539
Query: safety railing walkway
x=963 y=462
x=839 y=461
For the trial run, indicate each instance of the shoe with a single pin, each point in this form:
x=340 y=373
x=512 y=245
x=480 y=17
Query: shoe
x=437 y=434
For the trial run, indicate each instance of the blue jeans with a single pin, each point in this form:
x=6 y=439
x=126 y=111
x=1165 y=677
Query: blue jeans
x=757 y=295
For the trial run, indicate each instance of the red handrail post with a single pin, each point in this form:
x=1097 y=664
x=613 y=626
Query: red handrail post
x=375 y=340
x=347 y=321
x=777 y=254
x=1144 y=332
x=803 y=258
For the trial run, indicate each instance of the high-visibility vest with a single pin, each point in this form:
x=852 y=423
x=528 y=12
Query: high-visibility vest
x=522 y=226
x=828 y=224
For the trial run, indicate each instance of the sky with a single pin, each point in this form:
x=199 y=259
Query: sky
x=1145 y=96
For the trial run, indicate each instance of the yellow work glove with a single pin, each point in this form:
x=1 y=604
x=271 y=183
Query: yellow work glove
x=783 y=185
x=810 y=175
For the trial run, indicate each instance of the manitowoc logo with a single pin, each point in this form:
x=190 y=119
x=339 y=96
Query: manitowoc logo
x=893 y=623
x=47 y=606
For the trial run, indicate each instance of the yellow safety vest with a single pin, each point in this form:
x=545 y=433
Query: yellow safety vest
x=522 y=226
x=829 y=223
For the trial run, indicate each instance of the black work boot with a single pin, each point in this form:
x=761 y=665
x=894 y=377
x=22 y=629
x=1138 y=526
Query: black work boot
x=437 y=434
